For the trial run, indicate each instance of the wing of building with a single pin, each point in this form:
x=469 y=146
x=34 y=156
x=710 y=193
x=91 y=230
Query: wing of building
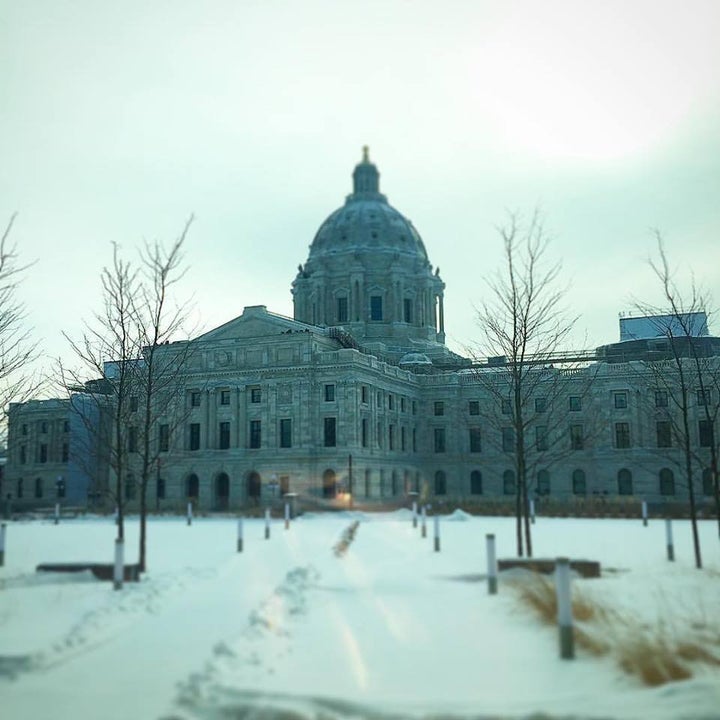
x=358 y=396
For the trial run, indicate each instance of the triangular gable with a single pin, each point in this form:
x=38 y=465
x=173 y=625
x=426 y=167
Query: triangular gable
x=255 y=322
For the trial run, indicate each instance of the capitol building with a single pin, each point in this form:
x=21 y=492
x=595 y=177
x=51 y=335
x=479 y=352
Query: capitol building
x=358 y=397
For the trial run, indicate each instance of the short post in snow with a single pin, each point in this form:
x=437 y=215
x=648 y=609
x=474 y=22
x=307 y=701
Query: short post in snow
x=436 y=520
x=3 y=529
x=644 y=513
x=118 y=569
x=423 y=522
x=287 y=516
x=189 y=514
x=491 y=564
x=267 y=523
x=414 y=512
x=564 y=608
x=240 y=535
x=669 y=540
x=532 y=511
x=57 y=513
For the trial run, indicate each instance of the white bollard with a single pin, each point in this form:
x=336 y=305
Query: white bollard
x=644 y=513
x=669 y=540
x=564 y=608
x=240 y=535
x=117 y=515
x=57 y=513
x=189 y=514
x=423 y=523
x=267 y=523
x=3 y=528
x=287 y=516
x=436 y=520
x=118 y=569
x=414 y=511
x=491 y=564
x=532 y=511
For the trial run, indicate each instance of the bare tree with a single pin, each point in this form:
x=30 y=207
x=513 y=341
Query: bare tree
x=525 y=326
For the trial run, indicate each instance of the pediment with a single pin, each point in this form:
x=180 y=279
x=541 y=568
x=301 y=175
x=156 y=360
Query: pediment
x=255 y=322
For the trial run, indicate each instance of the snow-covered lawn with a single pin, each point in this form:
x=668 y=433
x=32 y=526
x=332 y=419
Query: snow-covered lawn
x=390 y=629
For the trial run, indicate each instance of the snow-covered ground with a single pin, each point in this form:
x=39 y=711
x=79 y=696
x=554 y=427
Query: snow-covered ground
x=390 y=629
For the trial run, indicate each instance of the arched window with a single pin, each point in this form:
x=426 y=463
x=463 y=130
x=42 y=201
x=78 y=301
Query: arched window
x=329 y=484
x=579 y=485
x=254 y=485
x=707 y=482
x=440 y=483
x=543 y=482
x=192 y=486
x=667 y=482
x=476 y=482
x=624 y=480
x=222 y=492
x=38 y=487
x=509 y=482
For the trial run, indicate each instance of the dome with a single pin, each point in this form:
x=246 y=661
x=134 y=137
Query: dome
x=367 y=223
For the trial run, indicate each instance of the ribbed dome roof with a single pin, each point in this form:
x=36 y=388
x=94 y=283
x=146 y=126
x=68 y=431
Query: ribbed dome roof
x=367 y=222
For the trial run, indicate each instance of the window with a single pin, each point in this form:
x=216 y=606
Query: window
x=164 y=438
x=661 y=398
x=439 y=434
x=363 y=394
x=625 y=484
x=24 y=429
x=475 y=440
x=579 y=484
x=541 y=438
x=473 y=407
x=23 y=454
x=160 y=488
x=65 y=452
x=132 y=438
x=508 y=439
x=391 y=401
x=414 y=440
x=38 y=487
x=329 y=393
x=577 y=437
x=376 y=307
x=621 y=400
x=379 y=428
x=505 y=407
x=439 y=408
x=704 y=397
x=402 y=438
x=402 y=404
x=414 y=407
x=60 y=487
x=43 y=426
x=379 y=399
x=255 y=395
x=130 y=487
x=133 y=403
x=476 y=482
x=364 y=432
x=705 y=431
x=224 y=435
x=342 y=309
x=66 y=426
x=192 y=486
x=440 y=483
x=407 y=310
x=664 y=433
x=391 y=437
x=540 y=405
x=285 y=433
x=43 y=453
x=194 y=436
x=575 y=403
x=195 y=399
x=329 y=431
x=255 y=433
x=707 y=482
x=509 y=482
x=224 y=397
x=543 y=482
x=284 y=484
x=19 y=488
x=667 y=482
x=622 y=435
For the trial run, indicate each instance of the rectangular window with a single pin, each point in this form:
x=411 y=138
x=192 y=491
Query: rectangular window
x=622 y=435
x=508 y=439
x=364 y=432
x=285 y=433
x=661 y=398
x=408 y=310
x=38 y=487
x=133 y=403
x=23 y=454
x=255 y=395
x=704 y=397
x=43 y=426
x=194 y=399
x=194 y=436
x=621 y=400
x=705 y=429
x=505 y=407
x=160 y=488
x=439 y=440
x=475 y=440
x=43 y=453
x=164 y=438
x=540 y=405
x=224 y=435
x=577 y=437
x=65 y=452
x=342 y=309
x=66 y=426
x=414 y=440
x=364 y=394
x=439 y=408
x=60 y=487
x=664 y=433
x=391 y=401
x=414 y=407
x=473 y=407
x=402 y=404
x=402 y=438
x=376 y=307
x=132 y=438
x=24 y=429
x=329 y=393
x=329 y=428
x=224 y=397
x=255 y=433
x=575 y=403
x=391 y=437
x=541 y=438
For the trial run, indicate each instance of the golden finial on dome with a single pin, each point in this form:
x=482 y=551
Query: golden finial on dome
x=366 y=154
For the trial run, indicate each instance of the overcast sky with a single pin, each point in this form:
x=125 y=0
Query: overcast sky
x=120 y=119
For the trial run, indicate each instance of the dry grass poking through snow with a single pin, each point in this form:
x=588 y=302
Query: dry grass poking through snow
x=342 y=545
x=656 y=655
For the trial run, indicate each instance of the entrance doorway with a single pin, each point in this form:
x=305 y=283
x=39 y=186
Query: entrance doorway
x=222 y=492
